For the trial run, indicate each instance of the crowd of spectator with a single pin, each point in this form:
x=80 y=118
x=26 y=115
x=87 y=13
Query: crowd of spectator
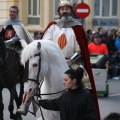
x=106 y=42
x=103 y=42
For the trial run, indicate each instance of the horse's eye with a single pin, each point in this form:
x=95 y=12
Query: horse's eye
x=34 y=65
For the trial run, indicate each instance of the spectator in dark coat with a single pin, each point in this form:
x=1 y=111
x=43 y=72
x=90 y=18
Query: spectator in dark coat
x=111 y=43
x=89 y=35
x=113 y=69
x=117 y=41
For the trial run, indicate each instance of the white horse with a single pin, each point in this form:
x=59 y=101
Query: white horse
x=46 y=59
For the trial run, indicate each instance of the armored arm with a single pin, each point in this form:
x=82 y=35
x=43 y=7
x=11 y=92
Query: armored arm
x=12 y=40
x=75 y=57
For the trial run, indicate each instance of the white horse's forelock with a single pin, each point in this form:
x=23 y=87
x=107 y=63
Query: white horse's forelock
x=29 y=51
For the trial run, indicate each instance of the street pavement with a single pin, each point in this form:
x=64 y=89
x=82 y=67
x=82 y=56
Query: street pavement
x=112 y=102
x=106 y=104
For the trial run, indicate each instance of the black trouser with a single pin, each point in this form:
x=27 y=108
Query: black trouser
x=113 y=71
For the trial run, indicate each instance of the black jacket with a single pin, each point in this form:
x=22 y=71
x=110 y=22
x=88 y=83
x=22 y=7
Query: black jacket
x=73 y=105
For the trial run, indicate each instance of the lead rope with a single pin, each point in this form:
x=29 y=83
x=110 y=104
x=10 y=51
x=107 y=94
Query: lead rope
x=40 y=84
x=38 y=99
x=42 y=114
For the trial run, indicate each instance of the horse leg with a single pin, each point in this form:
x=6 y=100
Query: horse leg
x=1 y=105
x=11 y=106
x=18 y=101
x=21 y=93
x=14 y=95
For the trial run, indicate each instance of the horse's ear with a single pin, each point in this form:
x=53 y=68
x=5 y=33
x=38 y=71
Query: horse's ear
x=38 y=45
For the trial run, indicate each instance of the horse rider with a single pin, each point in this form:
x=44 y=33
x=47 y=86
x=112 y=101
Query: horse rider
x=13 y=31
x=62 y=33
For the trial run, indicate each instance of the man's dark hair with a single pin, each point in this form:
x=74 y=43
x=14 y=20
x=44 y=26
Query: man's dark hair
x=113 y=116
x=89 y=31
x=100 y=29
x=15 y=7
x=37 y=32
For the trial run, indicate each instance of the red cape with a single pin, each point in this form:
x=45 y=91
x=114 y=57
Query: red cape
x=81 y=39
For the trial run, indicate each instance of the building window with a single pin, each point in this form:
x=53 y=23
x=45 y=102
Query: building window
x=114 y=7
x=105 y=13
x=33 y=12
x=56 y=7
x=96 y=8
x=56 y=2
x=105 y=8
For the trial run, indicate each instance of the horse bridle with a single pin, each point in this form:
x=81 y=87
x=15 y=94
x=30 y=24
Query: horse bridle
x=39 y=83
x=37 y=78
x=39 y=68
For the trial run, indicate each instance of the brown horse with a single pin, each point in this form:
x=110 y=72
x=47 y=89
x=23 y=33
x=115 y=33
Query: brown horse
x=11 y=73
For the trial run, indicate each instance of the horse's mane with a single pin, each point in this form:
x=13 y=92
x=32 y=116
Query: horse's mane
x=28 y=52
x=47 y=46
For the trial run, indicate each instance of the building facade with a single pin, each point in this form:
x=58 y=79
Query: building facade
x=36 y=14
